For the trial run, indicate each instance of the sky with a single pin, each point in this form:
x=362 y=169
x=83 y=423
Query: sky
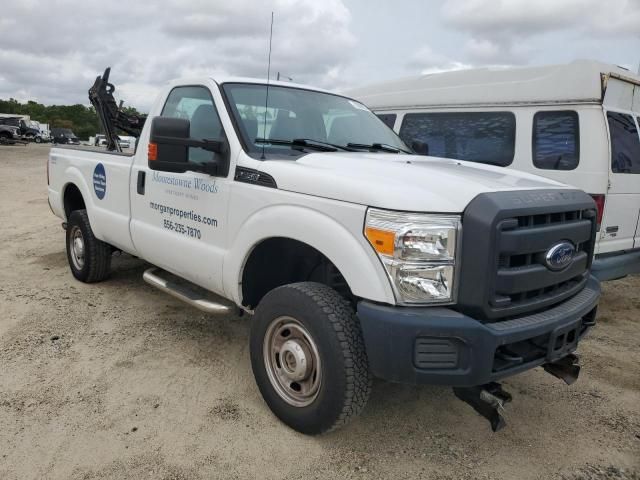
x=51 y=51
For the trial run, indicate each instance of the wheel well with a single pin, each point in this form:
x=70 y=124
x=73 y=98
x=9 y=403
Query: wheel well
x=72 y=200
x=279 y=261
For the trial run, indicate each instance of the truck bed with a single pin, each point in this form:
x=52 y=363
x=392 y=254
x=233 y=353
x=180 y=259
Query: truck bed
x=103 y=179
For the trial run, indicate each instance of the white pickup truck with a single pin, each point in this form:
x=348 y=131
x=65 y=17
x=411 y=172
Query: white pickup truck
x=353 y=256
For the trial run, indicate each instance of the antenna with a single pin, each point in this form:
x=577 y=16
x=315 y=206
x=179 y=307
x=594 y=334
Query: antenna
x=266 y=97
x=284 y=76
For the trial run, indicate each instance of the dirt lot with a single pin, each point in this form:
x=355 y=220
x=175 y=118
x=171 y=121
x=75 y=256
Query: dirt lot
x=117 y=380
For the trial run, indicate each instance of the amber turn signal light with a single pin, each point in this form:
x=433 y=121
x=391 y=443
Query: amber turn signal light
x=152 y=152
x=382 y=240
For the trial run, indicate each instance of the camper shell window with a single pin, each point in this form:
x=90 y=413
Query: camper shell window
x=625 y=143
x=483 y=137
x=556 y=140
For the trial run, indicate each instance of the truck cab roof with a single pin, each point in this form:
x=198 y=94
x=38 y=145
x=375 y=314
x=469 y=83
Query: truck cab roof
x=222 y=79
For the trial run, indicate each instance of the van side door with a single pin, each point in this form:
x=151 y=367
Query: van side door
x=619 y=230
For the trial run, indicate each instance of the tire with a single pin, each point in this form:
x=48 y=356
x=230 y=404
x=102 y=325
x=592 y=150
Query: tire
x=338 y=384
x=91 y=261
x=38 y=140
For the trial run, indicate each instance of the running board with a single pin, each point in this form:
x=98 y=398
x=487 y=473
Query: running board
x=186 y=294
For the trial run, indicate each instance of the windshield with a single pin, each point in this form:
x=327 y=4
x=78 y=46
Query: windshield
x=294 y=114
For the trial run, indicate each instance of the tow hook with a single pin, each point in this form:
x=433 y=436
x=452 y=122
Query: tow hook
x=488 y=400
x=566 y=369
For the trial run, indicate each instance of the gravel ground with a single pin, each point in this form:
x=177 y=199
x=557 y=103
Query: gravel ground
x=117 y=380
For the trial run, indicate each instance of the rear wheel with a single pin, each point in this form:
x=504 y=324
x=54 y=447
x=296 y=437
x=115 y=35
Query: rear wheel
x=308 y=357
x=89 y=258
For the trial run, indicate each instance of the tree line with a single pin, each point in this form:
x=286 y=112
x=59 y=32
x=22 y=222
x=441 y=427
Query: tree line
x=82 y=120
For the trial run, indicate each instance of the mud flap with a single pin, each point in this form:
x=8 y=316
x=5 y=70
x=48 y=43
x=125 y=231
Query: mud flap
x=488 y=400
x=566 y=369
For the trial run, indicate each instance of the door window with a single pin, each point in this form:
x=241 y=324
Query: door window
x=195 y=104
x=485 y=137
x=625 y=143
x=556 y=142
x=389 y=119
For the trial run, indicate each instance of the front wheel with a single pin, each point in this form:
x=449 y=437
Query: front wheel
x=308 y=357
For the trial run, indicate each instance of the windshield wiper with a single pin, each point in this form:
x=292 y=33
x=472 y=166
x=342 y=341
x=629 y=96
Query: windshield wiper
x=378 y=147
x=306 y=143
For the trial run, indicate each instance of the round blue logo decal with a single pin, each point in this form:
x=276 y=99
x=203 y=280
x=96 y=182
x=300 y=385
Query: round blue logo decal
x=100 y=181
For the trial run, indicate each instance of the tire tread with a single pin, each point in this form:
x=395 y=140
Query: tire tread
x=347 y=328
x=98 y=253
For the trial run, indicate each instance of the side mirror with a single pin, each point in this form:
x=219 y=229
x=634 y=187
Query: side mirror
x=164 y=152
x=169 y=145
x=420 y=147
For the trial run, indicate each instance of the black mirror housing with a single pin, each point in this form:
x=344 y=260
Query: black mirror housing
x=169 y=156
x=420 y=147
x=169 y=145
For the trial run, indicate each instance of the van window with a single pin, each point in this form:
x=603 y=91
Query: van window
x=625 y=143
x=556 y=140
x=389 y=119
x=485 y=137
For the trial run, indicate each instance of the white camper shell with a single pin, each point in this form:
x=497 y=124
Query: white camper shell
x=576 y=123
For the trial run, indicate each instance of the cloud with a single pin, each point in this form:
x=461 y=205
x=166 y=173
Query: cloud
x=526 y=17
x=426 y=60
x=503 y=31
x=52 y=51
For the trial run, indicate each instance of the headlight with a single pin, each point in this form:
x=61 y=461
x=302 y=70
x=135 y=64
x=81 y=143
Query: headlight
x=418 y=252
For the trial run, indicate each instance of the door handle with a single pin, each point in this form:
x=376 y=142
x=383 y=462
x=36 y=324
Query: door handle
x=141 y=179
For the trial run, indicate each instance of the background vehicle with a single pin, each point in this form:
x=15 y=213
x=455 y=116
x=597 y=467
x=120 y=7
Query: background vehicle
x=574 y=123
x=9 y=133
x=354 y=256
x=43 y=128
x=100 y=140
x=124 y=142
x=25 y=129
x=64 y=136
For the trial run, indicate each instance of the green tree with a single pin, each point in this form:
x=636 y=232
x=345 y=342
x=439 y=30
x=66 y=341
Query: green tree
x=82 y=120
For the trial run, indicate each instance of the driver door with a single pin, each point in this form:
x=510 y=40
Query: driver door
x=179 y=219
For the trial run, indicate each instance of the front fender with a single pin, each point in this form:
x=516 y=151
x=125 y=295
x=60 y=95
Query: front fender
x=348 y=250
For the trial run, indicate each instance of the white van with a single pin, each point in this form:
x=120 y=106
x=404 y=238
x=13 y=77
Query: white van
x=577 y=123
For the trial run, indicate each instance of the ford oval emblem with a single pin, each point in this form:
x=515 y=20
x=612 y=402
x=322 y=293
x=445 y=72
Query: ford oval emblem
x=559 y=256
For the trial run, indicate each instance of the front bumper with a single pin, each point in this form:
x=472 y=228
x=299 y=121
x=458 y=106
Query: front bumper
x=437 y=345
x=612 y=266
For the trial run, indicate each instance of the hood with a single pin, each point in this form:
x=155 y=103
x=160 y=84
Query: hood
x=398 y=182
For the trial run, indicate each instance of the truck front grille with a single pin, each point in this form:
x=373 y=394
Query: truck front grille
x=523 y=281
x=506 y=236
